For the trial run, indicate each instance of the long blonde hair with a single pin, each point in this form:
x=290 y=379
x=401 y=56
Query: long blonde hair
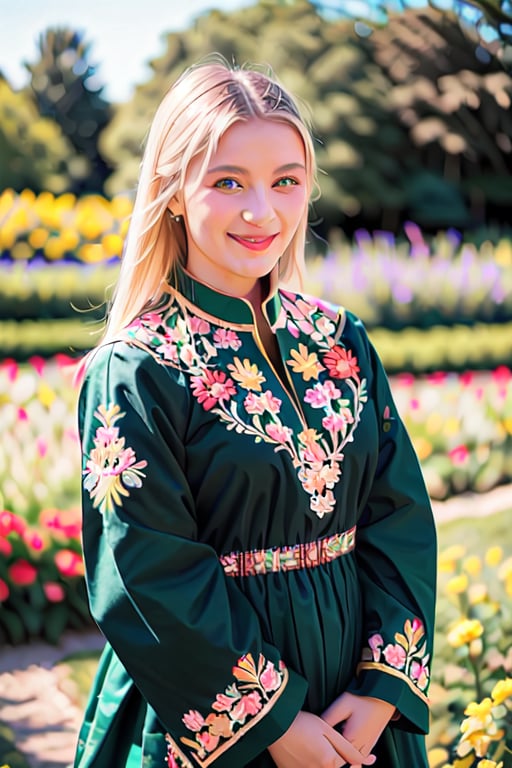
x=190 y=120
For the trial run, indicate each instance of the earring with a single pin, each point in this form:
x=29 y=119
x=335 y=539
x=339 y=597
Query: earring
x=176 y=218
x=247 y=216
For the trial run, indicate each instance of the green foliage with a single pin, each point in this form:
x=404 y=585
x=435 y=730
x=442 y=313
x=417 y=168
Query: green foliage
x=34 y=152
x=63 y=82
x=406 y=117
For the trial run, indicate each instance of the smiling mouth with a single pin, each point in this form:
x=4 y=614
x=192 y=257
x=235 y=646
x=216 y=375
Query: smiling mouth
x=254 y=243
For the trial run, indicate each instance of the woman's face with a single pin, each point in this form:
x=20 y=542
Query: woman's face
x=260 y=168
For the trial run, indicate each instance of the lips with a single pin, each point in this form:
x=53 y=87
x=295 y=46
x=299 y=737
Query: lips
x=254 y=243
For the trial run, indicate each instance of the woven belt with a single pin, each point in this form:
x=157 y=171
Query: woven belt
x=310 y=555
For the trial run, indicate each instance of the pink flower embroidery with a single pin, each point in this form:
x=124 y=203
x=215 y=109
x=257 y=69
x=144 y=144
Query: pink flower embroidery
x=322 y=505
x=111 y=468
x=376 y=642
x=248 y=705
x=419 y=672
x=193 y=720
x=322 y=394
x=226 y=339
x=270 y=677
x=278 y=433
x=212 y=387
x=337 y=422
x=395 y=656
x=208 y=740
x=198 y=325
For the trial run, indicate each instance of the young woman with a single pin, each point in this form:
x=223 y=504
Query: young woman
x=259 y=544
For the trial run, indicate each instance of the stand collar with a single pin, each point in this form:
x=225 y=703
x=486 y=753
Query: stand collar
x=223 y=306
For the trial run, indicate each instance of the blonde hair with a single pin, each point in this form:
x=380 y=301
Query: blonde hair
x=192 y=117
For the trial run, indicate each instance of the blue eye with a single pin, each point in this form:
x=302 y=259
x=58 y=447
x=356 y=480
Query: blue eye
x=286 y=181
x=227 y=184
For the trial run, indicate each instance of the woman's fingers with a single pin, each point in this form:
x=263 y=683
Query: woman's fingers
x=347 y=750
x=338 y=711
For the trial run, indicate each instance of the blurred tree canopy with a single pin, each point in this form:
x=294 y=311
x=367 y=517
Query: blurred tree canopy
x=65 y=88
x=34 y=153
x=409 y=122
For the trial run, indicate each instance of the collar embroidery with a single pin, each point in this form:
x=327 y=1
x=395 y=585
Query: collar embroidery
x=236 y=391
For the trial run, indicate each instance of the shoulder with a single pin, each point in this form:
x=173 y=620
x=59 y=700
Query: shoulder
x=303 y=305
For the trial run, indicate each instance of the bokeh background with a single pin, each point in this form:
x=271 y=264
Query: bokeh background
x=411 y=110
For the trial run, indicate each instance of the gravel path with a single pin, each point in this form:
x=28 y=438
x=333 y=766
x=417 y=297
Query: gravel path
x=44 y=719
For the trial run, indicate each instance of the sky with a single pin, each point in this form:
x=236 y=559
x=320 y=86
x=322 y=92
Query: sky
x=124 y=34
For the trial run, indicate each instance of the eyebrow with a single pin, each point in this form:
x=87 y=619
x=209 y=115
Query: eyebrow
x=240 y=169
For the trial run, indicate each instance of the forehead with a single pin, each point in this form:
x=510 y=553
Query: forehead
x=261 y=141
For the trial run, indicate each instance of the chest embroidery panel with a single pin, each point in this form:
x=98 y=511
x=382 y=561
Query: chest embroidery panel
x=323 y=372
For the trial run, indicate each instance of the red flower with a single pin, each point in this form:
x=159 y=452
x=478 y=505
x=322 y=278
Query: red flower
x=212 y=387
x=459 y=455
x=341 y=363
x=22 y=573
x=4 y=591
x=5 y=547
x=10 y=522
x=66 y=522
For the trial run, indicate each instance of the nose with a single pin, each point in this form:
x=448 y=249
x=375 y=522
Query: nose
x=258 y=208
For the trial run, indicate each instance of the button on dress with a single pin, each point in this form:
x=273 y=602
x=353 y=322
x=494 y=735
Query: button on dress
x=256 y=541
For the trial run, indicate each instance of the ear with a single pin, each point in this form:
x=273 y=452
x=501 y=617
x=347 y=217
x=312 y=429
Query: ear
x=175 y=206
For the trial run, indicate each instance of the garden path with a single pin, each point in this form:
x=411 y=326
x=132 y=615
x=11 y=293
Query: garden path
x=33 y=698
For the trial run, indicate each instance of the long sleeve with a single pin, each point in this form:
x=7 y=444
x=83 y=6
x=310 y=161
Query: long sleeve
x=183 y=630
x=396 y=554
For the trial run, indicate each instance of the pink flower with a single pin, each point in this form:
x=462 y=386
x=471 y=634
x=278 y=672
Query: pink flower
x=337 y=422
x=4 y=591
x=278 y=433
x=376 y=642
x=67 y=522
x=341 y=363
x=419 y=672
x=322 y=394
x=33 y=540
x=271 y=404
x=211 y=388
x=42 y=446
x=22 y=573
x=270 y=678
x=22 y=414
x=171 y=760
x=11 y=367
x=37 y=363
x=194 y=720
x=459 y=455
x=69 y=563
x=253 y=404
x=224 y=701
x=198 y=325
x=226 y=339
x=395 y=656
x=247 y=706
x=54 y=592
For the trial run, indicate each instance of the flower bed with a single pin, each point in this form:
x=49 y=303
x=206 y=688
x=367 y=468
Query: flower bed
x=388 y=282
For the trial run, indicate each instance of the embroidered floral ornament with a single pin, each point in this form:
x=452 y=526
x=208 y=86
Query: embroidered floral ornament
x=406 y=655
x=112 y=468
x=255 y=691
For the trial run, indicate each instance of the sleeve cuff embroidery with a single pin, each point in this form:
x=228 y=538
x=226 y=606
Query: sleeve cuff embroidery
x=406 y=657
x=242 y=705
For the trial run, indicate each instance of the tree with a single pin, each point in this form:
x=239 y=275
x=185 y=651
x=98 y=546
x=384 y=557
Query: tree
x=34 y=153
x=65 y=86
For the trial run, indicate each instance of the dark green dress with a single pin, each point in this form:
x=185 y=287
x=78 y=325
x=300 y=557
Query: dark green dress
x=257 y=541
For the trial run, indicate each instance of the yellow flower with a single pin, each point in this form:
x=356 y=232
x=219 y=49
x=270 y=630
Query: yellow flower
x=502 y=690
x=457 y=585
x=448 y=557
x=477 y=593
x=479 y=710
x=464 y=632
x=494 y=556
x=437 y=757
x=305 y=362
x=38 y=237
x=489 y=764
x=112 y=244
x=472 y=565
x=247 y=374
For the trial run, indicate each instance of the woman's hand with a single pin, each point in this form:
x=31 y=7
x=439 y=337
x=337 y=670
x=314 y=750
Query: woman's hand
x=310 y=741
x=364 y=720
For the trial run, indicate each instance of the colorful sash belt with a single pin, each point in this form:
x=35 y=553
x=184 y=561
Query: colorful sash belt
x=259 y=561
